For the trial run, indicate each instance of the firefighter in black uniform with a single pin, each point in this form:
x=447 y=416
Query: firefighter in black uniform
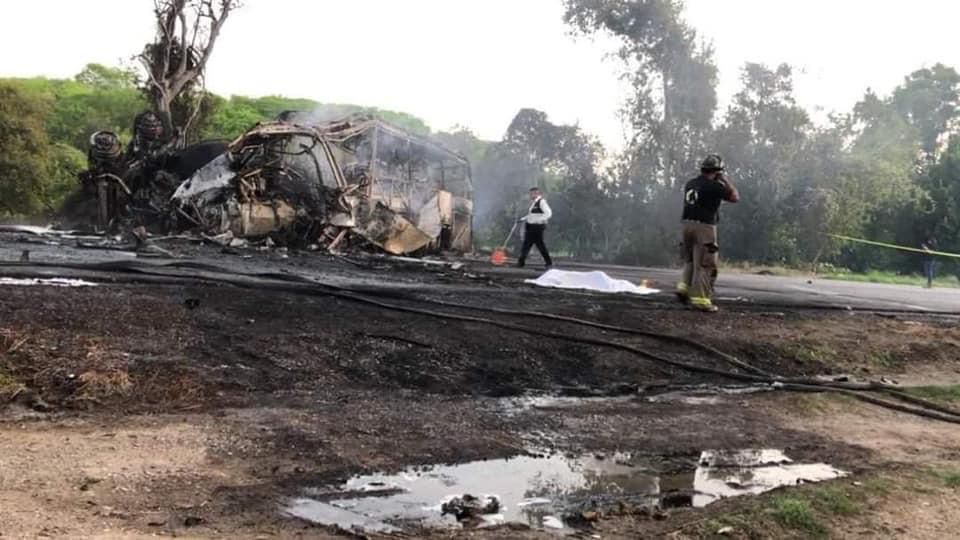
x=701 y=212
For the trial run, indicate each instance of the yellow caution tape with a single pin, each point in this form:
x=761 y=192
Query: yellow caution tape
x=894 y=246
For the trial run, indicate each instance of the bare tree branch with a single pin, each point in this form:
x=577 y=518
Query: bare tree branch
x=196 y=32
x=185 y=50
x=187 y=31
x=197 y=106
x=226 y=6
x=167 y=21
x=151 y=78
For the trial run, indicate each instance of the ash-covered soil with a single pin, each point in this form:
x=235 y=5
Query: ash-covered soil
x=208 y=401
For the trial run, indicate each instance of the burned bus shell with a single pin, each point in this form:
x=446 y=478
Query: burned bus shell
x=332 y=183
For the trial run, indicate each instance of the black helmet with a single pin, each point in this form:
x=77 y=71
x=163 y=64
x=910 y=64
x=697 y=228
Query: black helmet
x=148 y=126
x=711 y=163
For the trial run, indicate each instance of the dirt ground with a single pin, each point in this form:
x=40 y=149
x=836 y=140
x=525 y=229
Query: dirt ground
x=192 y=409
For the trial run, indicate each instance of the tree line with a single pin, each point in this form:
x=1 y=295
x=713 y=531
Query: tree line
x=45 y=125
x=887 y=170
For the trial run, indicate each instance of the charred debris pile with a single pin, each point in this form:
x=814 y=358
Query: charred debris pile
x=355 y=183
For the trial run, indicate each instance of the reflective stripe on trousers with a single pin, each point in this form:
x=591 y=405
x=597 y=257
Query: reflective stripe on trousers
x=700 y=301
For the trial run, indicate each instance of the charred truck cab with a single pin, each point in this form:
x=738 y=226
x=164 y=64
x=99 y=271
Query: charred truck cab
x=333 y=183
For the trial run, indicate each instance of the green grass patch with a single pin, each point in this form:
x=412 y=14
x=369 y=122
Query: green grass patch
x=886 y=359
x=949 y=477
x=935 y=393
x=835 y=500
x=807 y=353
x=808 y=511
x=7 y=380
x=812 y=511
x=877 y=276
x=952 y=479
x=878 y=486
x=796 y=513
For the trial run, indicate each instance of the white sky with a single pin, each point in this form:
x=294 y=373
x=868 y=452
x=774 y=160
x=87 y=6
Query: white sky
x=476 y=62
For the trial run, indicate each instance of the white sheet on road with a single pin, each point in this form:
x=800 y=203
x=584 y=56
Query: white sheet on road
x=56 y=282
x=590 y=281
x=29 y=229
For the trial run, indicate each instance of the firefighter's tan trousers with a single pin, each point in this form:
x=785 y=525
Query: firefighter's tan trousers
x=700 y=256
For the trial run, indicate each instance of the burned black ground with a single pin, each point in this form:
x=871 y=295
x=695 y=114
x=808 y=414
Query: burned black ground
x=297 y=390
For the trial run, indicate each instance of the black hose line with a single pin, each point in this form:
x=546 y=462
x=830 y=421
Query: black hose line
x=869 y=386
x=932 y=414
x=302 y=285
x=613 y=328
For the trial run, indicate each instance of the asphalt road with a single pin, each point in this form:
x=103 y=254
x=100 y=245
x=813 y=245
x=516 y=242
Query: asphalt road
x=732 y=288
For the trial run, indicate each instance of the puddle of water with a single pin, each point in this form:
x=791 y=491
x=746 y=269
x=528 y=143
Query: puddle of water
x=541 y=491
x=705 y=395
x=723 y=474
x=329 y=514
x=743 y=458
x=515 y=405
x=54 y=282
x=530 y=490
x=689 y=395
x=687 y=399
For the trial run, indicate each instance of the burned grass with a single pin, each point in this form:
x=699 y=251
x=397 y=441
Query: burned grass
x=166 y=348
x=306 y=390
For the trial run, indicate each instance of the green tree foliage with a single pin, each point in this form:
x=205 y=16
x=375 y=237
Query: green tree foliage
x=39 y=158
x=232 y=117
x=23 y=152
x=68 y=111
x=939 y=215
x=98 y=98
x=763 y=136
x=560 y=159
x=79 y=111
x=879 y=171
x=888 y=170
x=897 y=140
x=928 y=100
x=669 y=112
x=673 y=78
x=100 y=77
x=64 y=163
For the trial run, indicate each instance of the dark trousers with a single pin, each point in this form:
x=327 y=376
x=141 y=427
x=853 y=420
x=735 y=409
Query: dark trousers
x=533 y=236
x=929 y=269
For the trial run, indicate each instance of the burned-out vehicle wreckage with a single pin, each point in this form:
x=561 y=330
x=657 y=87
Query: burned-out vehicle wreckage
x=355 y=182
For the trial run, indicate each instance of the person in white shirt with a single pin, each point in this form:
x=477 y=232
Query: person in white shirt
x=536 y=222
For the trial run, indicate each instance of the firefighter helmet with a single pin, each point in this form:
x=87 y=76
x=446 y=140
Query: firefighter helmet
x=713 y=162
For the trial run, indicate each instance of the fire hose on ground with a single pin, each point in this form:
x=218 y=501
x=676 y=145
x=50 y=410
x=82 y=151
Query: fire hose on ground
x=302 y=285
